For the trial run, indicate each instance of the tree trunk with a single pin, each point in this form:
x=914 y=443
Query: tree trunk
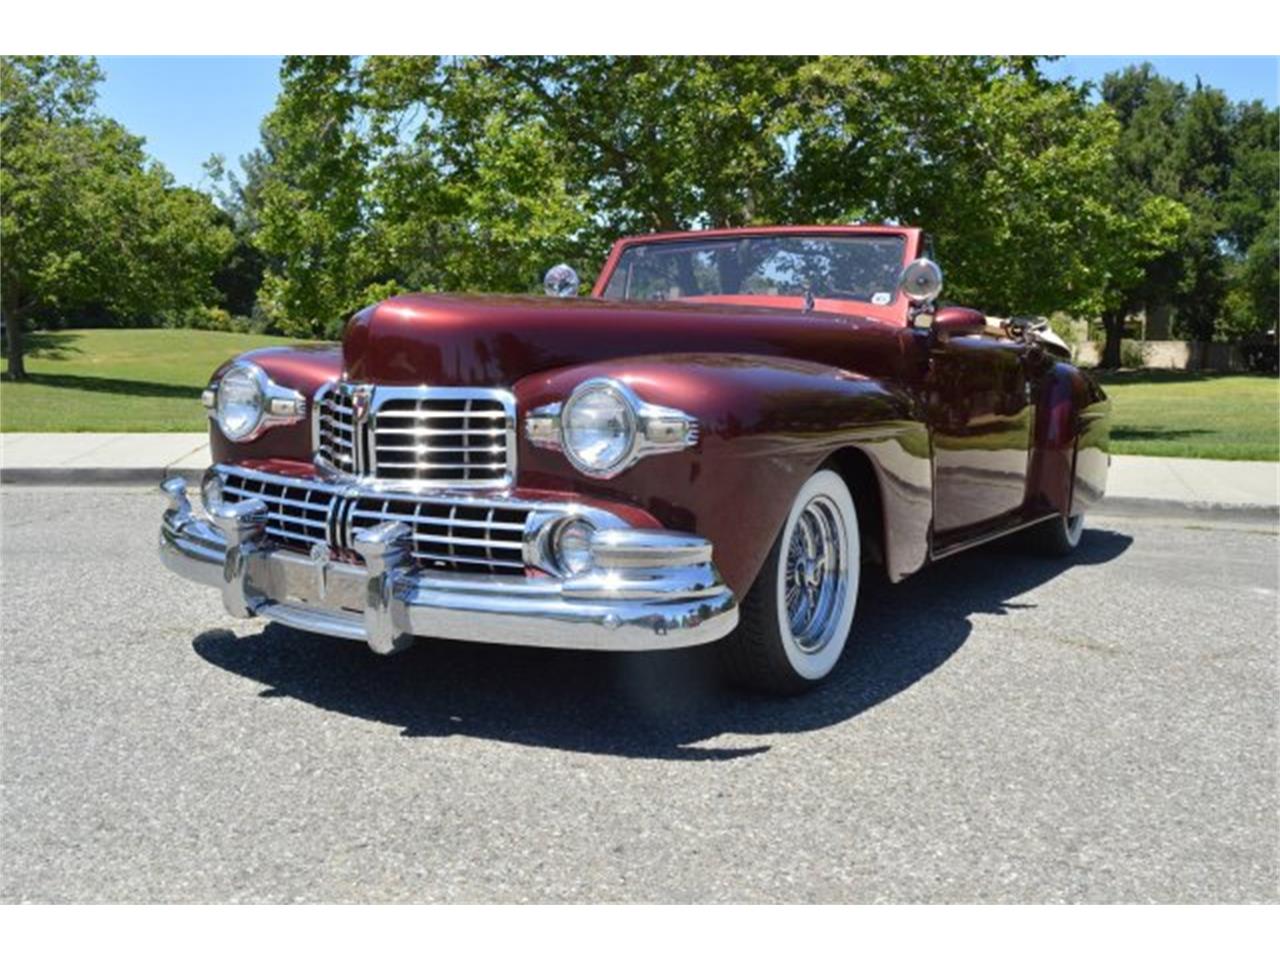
x=13 y=337
x=1113 y=325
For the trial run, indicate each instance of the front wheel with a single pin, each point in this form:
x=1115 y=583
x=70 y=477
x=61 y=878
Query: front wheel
x=795 y=620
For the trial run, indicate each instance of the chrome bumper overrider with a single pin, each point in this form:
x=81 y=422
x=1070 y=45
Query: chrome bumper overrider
x=648 y=589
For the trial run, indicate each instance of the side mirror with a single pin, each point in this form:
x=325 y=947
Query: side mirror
x=561 y=281
x=957 y=322
x=921 y=281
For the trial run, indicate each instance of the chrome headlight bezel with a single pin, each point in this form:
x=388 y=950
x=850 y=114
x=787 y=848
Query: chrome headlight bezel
x=610 y=391
x=254 y=377
x=654 y=428
x=275 y=405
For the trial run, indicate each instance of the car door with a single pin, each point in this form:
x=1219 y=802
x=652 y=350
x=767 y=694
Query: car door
x=980 y=418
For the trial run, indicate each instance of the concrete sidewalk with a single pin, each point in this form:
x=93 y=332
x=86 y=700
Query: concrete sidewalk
x=1151 y=485
x=1138 y=485
x=86 y=458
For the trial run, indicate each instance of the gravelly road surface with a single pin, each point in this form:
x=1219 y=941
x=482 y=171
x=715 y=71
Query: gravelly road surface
x=1006 y=729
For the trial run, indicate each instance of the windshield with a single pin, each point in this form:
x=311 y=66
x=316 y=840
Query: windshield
x=863 y=268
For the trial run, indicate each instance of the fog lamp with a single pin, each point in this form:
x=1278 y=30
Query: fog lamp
x=572 y=546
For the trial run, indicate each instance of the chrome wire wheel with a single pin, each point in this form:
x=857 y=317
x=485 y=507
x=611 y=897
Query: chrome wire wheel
x=817 y=576
x=816 y=564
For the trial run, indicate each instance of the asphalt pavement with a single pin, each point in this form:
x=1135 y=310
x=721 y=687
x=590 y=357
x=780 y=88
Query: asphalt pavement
x=1006 y=728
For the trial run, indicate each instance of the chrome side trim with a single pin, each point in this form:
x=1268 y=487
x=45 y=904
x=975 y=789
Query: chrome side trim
x=649 y=548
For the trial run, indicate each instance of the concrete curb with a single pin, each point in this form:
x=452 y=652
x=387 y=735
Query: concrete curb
x=1187 y=510
x=94 y=476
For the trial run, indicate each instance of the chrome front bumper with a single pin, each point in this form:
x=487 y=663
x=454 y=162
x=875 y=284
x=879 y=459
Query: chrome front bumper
x=648 y=589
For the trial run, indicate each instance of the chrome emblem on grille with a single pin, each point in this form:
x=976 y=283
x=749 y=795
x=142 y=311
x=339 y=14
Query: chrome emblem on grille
x=361 y=394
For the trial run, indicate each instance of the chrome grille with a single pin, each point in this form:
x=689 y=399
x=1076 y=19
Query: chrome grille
x=335 y=428
x=297 y=513
x=452 y=536
x=462 y=535
x=423 y=436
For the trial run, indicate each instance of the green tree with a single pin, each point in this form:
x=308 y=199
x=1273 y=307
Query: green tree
x=1251 y=218
x=477 y=173
x=86 y=220
x=1217 y=161
x=239 y=277
x=314 y=211
x=473 y=179
x=1008 y=171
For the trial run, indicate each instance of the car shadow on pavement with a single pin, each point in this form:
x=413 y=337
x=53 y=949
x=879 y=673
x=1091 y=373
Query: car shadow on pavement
x=652 y=705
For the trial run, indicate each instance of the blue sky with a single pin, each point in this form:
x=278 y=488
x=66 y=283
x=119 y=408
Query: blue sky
x=1243 y=78
x=191 y=107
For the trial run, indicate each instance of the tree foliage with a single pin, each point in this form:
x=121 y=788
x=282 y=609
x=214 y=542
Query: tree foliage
x=1204 y=171
x=398 y=172
x=382 y=174
x=392 y=173
x=87 y=221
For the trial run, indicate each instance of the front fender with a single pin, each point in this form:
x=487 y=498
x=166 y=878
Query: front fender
x=302 y=368
x=767 y=424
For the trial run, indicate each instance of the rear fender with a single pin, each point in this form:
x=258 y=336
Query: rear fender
x=1069 y=458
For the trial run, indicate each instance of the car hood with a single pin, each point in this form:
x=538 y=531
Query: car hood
x=459 y=340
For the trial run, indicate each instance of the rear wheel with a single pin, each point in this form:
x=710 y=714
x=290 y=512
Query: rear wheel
x=795 y=620
x=1057 y=537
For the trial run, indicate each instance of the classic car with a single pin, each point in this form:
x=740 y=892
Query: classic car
x=715 y=445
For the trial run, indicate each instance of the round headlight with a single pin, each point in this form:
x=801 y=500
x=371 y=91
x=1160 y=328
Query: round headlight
x=240 y=401
x=573 y=546
x=599 y=428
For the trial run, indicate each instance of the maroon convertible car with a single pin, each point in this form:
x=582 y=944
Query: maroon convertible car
x=709 y=447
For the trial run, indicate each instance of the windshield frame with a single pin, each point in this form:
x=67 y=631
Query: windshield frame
x=912 y=237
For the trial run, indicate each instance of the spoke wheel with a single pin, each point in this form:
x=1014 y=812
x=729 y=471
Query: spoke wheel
x=817 y=561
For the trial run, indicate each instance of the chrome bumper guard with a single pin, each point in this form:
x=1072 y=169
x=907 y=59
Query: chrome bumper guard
x=647 y=590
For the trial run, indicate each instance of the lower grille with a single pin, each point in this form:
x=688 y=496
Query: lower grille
x=452 y=536
x=297 y=513
x=466 y=536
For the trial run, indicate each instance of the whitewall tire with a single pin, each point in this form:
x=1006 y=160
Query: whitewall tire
x=1058 y=536
x=795 y=620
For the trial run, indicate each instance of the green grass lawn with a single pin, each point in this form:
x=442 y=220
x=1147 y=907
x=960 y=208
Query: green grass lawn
x=135 y=381
x=1170 y=413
